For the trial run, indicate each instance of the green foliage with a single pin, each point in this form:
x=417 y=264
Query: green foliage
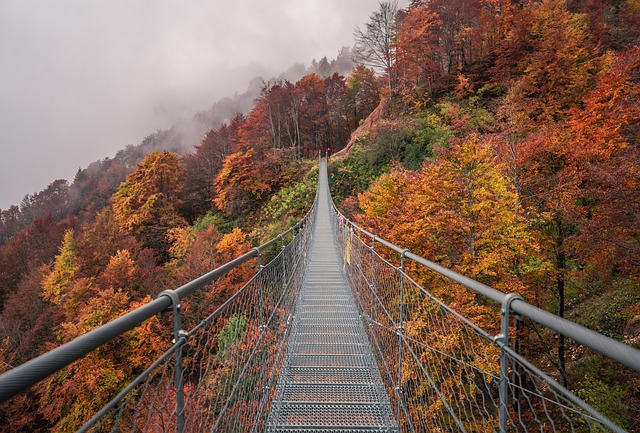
x=81 y=176
x=288 y=205
x=606 y=398
x=490 y=90
x=215 y=218
x=352 y=174
x=292 y=200
x=409 y=143
x=432 y=134
x=232 y=330
x=56 y=283
x=606 y=313
x=409 y=146
x=463 y=116
x=606 y=388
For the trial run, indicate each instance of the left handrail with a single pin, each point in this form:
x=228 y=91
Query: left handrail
x=31 y=372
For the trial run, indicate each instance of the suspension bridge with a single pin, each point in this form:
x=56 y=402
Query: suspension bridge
x=329 y=335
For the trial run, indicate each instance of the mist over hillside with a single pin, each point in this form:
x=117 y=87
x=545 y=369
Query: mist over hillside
x=189 y=132
x=496 y=139
x=64 y=197
x=80 y=81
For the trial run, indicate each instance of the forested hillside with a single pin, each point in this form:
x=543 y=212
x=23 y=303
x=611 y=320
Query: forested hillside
x=155 y=216
x=496 y=137
x=507 y=149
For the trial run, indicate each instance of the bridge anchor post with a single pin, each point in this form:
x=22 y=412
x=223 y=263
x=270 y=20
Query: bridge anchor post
x=263 y=348
x=502 y=341
x=400 y=331
x=178 y=334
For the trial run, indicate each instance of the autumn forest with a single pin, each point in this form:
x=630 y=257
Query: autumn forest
x=498 y=138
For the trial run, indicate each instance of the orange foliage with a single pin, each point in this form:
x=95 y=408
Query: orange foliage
x=560 y=66
x=362 y=95
x=243 y=182
x=605 y=159
x=72 y=396
x=417 y=67
x=145 y=205
x=209 y=250
x=459 y=211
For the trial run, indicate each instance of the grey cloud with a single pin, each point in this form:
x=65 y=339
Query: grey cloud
x=81 y=79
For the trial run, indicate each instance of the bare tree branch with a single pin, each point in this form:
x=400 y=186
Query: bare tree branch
x=373 y=46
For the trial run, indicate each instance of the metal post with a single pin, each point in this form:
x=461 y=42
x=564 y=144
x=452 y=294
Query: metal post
x=178 y=334
x=502 y=341
x=262 y=315
x=372 y=280
x=284 y=265
x=399 y=389
x=263 y=331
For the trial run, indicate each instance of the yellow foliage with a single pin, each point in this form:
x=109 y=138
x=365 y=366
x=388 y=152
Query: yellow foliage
x=56 y=283
x=181 y=239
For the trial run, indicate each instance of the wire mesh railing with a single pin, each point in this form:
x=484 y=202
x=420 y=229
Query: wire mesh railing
x=445 y=372
x=220 y=374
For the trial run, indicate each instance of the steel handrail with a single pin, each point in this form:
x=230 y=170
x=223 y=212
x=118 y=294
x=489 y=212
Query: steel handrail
x=616 y=350
x=36 y=369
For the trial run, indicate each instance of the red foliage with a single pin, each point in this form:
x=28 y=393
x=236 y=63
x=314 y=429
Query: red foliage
x=28 y=250
x=606 y=160
x=202 y=167
x=417 y=66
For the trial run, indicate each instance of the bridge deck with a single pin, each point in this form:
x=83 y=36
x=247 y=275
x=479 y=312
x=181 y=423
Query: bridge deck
x=329 y=380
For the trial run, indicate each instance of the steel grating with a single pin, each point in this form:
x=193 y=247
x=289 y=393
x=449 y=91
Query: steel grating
x=329 y=381
x=325 y=329
x=320 y=322
x=333 y=415
x=316 y=338
x=329 y=375
x=337 y=309
x=318 y=360
x=328 y=349
x=326 y=430
x=325 y=315
x=331 y=393
x=335 y=301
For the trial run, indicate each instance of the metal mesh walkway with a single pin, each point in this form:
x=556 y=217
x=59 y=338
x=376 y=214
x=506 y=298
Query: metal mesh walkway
x=329 y=380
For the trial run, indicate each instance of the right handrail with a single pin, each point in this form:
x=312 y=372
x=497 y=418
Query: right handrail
x=616 y=350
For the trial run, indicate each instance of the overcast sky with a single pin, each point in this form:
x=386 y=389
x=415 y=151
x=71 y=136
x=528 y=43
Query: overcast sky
x=81 y=79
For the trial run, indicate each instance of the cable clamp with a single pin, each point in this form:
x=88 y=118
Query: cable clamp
x=506 y=305
x=175 y=300
x=178 y=332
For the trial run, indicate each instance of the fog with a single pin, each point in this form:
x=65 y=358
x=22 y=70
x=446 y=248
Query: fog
x=80 y=79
